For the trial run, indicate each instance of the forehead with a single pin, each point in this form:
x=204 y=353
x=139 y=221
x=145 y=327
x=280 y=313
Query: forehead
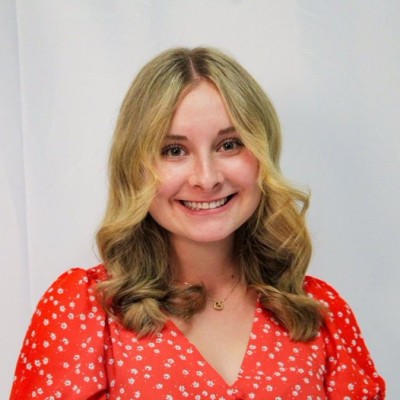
x=202 y=105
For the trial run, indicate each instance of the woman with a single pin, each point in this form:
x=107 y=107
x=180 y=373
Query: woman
x=203 y=292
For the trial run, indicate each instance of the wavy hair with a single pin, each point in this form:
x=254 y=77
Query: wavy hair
x=273 y=247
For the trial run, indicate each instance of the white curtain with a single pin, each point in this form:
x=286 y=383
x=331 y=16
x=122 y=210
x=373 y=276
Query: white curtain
x=330 y=67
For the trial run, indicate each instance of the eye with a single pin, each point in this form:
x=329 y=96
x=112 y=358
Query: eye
x=173 y=150
x=231 y=145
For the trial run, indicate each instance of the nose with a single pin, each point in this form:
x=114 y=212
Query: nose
x=206 y=173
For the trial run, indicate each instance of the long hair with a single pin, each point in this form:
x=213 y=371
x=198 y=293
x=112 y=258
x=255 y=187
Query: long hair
x=273 y=247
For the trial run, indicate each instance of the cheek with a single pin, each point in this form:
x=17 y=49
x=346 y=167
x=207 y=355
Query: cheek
x=171 y=181
x=247 y=171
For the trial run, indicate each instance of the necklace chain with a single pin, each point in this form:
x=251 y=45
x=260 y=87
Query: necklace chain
x=218 y=305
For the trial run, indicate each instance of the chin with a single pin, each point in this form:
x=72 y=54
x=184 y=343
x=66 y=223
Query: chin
x=209 y=237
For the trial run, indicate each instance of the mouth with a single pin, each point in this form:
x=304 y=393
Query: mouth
x=204 y=205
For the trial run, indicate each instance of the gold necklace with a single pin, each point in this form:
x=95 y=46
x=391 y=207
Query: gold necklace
x=218 y=305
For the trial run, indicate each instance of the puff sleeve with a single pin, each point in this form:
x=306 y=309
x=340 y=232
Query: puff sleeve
x=63 y=352
x=350 y=371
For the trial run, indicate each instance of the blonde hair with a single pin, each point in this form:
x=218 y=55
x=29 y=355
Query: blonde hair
x=273 y=247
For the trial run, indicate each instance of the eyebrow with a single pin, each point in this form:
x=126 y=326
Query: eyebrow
x=224 y=131
x=230 y=129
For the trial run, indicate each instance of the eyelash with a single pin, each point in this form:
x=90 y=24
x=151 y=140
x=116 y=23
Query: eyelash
x=176 y=146
x=236 y=141
x=166 y=149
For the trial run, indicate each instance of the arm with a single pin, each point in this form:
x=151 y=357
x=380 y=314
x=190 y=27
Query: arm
x=350 y=370
x=63 y=351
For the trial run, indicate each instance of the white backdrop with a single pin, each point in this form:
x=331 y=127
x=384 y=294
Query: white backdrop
x=330 y=67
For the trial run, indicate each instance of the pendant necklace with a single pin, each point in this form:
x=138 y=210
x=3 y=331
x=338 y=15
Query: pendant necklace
x=219 y=304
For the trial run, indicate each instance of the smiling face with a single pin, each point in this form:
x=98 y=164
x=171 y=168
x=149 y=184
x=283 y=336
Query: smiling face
x=209 y=179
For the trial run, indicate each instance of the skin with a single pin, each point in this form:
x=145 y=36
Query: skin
x=209 y=189
x=203 y=161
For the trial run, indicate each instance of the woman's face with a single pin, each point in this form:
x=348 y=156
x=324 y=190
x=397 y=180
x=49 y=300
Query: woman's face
x=209 y=179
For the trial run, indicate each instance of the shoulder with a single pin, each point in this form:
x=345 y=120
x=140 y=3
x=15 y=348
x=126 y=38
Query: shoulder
x=325 y=294
x=350 y=369
x=66 y=334
x=338 y=310
x=72 y=294
x=79 y=275
x=318 y=287
x=77 y=280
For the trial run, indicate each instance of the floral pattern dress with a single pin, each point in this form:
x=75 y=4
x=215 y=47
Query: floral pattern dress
x=73 y=350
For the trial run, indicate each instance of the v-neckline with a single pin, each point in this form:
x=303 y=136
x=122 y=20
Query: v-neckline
x=198 y=354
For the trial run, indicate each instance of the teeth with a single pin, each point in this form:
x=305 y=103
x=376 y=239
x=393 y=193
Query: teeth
x=193 y=205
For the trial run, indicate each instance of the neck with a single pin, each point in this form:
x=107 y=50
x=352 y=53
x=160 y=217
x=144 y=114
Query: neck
x=209 y=263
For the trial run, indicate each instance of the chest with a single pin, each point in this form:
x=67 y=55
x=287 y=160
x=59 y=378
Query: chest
x=169 y=366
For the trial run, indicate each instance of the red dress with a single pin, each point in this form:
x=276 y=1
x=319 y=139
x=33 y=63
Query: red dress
x=73 y=350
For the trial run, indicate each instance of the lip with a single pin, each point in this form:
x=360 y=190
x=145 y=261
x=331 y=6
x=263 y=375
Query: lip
x=206 y=206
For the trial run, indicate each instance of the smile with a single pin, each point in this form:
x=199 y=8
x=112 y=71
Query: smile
x=194 y=205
